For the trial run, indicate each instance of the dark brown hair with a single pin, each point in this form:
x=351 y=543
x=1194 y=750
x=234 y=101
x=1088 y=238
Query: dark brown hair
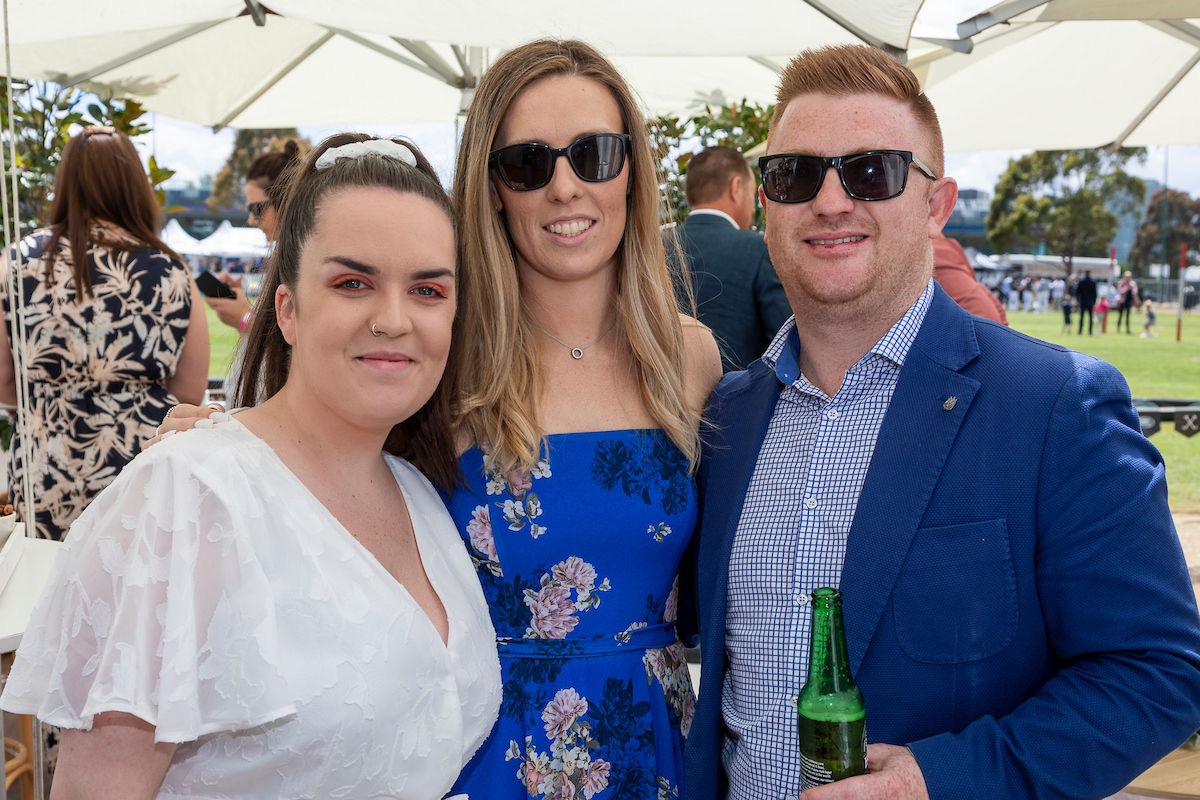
x=270 y=170
x=100 y=177
x=709 y=171
x=425 y=438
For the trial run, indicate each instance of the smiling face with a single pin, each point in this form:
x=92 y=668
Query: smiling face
x=569 y=229
x=846 y=257
x=375 y=256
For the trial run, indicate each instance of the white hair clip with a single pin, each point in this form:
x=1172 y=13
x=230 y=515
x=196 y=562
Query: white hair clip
x=383 y=147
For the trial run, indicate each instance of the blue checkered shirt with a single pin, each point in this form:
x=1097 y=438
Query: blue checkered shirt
x=791 y=539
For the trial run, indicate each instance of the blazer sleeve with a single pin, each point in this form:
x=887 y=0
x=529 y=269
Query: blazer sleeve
x=1119 y=611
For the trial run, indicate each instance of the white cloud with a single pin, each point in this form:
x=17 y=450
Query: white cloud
x=196 y=152
x=193 y=151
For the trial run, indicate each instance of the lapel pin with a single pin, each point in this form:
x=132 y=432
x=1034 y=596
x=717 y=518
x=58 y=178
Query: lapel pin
x=950 y=403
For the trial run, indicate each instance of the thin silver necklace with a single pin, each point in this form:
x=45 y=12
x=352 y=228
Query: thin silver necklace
x=577 y=351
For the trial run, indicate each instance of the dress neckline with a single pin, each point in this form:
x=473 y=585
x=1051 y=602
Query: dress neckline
x=422 y=534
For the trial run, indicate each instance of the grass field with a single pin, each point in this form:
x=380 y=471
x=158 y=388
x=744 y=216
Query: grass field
x=1155 y=368
x=223 y=342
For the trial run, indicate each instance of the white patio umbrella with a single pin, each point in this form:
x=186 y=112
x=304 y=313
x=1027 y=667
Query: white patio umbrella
x=377 y=62
x=1068 y=74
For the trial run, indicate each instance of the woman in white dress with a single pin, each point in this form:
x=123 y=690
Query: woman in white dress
x=276 y=607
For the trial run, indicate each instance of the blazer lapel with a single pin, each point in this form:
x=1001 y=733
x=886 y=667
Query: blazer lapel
x=928 y=407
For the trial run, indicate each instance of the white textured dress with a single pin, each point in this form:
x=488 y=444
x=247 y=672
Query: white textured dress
x=209 y=593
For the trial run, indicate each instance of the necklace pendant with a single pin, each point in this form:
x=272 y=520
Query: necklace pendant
x=576 y=353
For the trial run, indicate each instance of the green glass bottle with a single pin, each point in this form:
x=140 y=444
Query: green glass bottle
x=833 y=717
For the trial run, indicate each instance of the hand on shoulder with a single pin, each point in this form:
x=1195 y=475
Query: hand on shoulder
x=184 y=416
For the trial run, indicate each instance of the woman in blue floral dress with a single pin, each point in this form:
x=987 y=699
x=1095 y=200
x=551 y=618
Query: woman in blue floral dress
x=579 y=388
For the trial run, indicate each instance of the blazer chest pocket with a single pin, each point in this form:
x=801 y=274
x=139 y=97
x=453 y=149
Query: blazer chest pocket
x=956 y=596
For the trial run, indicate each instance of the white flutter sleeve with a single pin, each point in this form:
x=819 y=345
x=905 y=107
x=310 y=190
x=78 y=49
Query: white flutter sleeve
x=157 y=605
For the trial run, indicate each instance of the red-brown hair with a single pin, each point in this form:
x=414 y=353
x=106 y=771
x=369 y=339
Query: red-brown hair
x=100 y=177
x=860 y=69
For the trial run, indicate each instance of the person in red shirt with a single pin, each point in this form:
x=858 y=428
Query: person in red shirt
x=952 y=269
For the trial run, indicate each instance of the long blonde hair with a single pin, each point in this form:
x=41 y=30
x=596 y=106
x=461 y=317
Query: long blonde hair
x=498 y=379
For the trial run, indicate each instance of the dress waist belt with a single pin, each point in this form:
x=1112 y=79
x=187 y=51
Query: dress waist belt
x=646 y=638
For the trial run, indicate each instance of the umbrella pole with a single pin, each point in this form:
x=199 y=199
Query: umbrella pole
x=1182 y=284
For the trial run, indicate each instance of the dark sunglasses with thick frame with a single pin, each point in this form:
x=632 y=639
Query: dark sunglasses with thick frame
x=870 y=175
x=257 y=209
x=595 y=158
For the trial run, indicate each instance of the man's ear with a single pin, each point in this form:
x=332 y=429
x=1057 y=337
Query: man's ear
x=942 y=198
x=737 y=185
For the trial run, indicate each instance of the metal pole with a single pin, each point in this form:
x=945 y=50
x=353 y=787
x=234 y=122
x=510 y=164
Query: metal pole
x=1179 y=309
x=1166 y=265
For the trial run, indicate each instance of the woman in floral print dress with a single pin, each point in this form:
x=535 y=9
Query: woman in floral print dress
x=115 y=332
x=579 y=389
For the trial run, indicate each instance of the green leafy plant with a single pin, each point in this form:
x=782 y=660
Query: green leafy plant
x=674 y=141
x=44 y=116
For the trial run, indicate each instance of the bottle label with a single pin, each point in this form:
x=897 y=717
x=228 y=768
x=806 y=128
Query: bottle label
x=831 y=750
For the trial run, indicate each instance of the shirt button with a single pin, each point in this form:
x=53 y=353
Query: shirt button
x=831 y=414
x=810 y=503
x=800 y=598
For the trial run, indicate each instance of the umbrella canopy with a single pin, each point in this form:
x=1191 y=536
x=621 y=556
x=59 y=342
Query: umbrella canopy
x=376 y=62
x=1070 y=74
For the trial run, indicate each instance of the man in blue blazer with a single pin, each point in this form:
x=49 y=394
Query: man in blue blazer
x=738 y=294
x=1019 y=615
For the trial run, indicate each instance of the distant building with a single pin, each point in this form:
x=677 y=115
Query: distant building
x=966 y=221
x=192 y=211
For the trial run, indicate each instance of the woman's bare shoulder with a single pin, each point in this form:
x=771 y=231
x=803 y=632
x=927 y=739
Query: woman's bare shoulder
x=703 y=359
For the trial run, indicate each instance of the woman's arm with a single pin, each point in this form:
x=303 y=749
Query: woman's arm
x=8 y=368
x=191 y=373
x=118 y=759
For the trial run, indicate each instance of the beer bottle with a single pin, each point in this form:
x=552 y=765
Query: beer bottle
x=833 y=731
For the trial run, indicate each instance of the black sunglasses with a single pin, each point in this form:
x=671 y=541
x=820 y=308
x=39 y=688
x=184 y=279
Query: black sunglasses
x=873 y=175
x=595 y=158
x=257 y=209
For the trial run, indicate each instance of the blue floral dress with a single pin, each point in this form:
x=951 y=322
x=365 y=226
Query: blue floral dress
x=578 y=564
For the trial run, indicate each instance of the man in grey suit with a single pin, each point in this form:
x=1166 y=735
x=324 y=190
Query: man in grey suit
x=738 y=294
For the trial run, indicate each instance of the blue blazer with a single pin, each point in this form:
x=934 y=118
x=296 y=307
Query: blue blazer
x=1017 y=605
x=738 y=294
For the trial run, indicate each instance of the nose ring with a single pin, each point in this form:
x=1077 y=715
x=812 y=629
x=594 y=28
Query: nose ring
x=375 y=332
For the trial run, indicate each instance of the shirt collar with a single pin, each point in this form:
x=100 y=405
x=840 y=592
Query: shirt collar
x=783 y=355
x=714 y=212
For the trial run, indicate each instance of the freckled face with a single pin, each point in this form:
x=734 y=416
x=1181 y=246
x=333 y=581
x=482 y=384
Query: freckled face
x=382 y=257
x=837 y=252
x=569 y=229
